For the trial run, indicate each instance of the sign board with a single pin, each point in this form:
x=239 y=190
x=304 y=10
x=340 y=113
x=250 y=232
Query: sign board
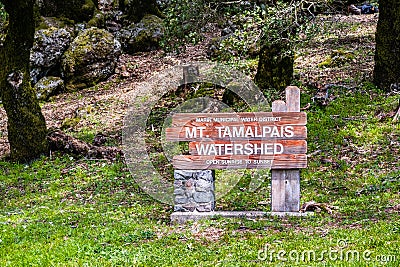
x=249 y=140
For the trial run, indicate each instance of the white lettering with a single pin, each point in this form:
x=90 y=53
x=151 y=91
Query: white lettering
x=289 y=131
x=249 y=132
x=243 y=132
x=248 y=149
x=276 y=146
x=238 y=148
x=275 y=132
x=190 y=132
x=202 y=149
x=237 y=131
x=227 y=132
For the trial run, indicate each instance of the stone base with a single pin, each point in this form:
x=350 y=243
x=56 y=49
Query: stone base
x=183 y=217
x=194 y=191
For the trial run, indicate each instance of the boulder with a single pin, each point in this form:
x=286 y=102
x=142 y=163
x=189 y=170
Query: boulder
x=106 y=5
x=60 y=23
x=77 y=10
x=98 y=20
x=91 y=58
x=48 y=86
x=136 y=9
x=113 y=21
x=163 y=4
x=48 y=48
x=143 y=36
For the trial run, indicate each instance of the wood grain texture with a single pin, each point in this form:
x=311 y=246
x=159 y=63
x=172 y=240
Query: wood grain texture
x=190 y=162
x=285 y=190
x=279 y=106
x=285 y=184
x=292 y=99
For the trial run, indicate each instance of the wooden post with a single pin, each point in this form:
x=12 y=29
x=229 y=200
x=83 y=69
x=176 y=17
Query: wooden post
x=285 y=184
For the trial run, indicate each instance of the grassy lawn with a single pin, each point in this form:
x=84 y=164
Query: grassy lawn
x=66 y=211
x=62 y=211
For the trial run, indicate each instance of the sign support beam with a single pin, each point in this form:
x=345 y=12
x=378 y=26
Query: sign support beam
x=285 y=184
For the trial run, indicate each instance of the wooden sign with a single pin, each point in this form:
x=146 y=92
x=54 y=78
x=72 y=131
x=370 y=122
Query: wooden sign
x=250 y=140
x=255 y=140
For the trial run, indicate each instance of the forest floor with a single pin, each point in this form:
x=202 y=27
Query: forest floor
x=67 y=211
x=347 y=49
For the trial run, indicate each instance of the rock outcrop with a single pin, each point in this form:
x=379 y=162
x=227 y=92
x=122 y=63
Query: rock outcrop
x=91 y=58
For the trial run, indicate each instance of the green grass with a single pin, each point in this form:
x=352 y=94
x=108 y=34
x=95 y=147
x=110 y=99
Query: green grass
x=66 y=211
x=62 y=211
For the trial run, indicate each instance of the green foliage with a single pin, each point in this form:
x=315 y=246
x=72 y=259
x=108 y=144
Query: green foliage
x=79 y=212
x=3 y=23
x=243 y=43
x=387 y=184
x=286 y=25
x=184 y=23
x=187 y=21
x=289 y=22
x=62 y=211
x=87 y=135
x=3 y=13
x=3 y=18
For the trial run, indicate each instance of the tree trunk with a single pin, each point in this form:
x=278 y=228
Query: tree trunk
x=275 y=67
x=26 y=124
x=387 y=53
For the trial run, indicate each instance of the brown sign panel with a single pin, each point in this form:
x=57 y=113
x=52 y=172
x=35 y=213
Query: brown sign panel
x=190 y=162
x=253 y=140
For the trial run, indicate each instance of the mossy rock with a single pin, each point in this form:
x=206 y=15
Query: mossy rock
x=143 y=36
x=48 y=86
x=77 y=10
x=135 y=10
x=98 y=20
x=337 y=58
x=91 y=58
x=53 y=22
x=48 y=48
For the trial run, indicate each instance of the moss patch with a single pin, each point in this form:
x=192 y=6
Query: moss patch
x=90 y=58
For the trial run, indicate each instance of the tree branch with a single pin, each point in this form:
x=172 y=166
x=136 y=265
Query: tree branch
x=59 y=141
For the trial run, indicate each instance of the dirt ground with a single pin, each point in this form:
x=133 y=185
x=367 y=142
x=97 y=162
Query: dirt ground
x=102 y=108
